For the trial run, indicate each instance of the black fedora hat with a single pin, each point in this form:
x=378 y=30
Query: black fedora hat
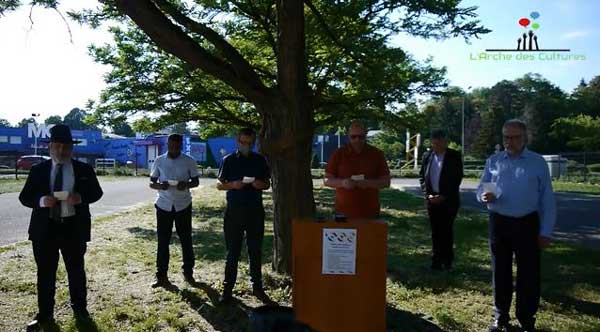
x=61 y=133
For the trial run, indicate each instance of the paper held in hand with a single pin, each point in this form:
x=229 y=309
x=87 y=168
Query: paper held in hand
x=490 y=187
x=248 y=179
x=61 y=195
x=358 y=177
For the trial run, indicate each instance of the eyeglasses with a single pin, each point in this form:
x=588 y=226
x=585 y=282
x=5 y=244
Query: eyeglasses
x=512 y=138
x=361 y=137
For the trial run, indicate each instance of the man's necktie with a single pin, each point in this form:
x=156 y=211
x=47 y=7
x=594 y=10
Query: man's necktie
x=58 y=186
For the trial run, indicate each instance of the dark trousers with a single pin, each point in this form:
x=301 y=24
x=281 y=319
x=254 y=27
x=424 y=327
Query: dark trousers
x=441 y=219
x=518 y=236
x=251 y=221
x=46 y=254
x=164 y=230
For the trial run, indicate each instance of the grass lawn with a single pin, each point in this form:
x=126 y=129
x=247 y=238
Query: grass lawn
x=12 y=185
x=572 y=187
x=120 y=267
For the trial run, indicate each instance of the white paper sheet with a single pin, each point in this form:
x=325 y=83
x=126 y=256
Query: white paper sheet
x=339 y=251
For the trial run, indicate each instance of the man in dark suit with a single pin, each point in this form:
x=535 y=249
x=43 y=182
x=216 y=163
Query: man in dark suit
x=59 y=191
x=440 y=176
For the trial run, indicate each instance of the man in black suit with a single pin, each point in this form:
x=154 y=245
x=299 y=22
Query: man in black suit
x=59 y=191
x=440 y=176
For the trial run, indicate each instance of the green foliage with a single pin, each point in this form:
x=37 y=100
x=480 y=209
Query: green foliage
x=5 y=123
x=455 y=146
x=25 y=122
x=531 y=98
x=123 y=128
x=594 y=168
x=580 y=132
x=76 y=120
x=53 y=119
x=585 y=98
x=179 y=128
x=352 y=69
x=390 y=144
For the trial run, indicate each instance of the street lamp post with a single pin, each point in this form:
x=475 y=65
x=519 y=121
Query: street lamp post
x=35 y=115
x=462 y=139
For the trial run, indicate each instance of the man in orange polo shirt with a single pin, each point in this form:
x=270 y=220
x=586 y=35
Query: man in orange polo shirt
x=357 y=171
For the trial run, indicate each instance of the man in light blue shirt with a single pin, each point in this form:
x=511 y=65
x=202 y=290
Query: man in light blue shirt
x=517 y=188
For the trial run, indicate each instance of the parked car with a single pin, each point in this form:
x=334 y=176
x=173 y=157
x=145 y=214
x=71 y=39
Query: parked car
x=26 y=162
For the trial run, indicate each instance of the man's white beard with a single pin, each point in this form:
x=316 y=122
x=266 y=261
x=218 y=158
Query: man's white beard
x=59 y=160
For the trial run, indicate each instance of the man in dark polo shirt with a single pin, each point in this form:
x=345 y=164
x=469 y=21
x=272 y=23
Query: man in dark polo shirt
x=244 y=174
x=357 y=171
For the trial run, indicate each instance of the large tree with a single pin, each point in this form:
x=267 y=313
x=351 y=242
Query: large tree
x=543 y=102
x=283 y=65
x=580 y=132
x=53 y=119
x=76 y=120
x=25 y=122
x=122 y=128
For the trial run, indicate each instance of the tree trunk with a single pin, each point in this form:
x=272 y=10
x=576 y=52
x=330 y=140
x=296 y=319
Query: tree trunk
x=288 y=128
x=286 y=110
x=288 y=146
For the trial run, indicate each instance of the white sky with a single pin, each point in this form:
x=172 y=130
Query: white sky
x=42 y=72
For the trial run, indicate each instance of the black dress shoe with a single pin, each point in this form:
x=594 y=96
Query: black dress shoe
x=81 y=314
x=161 y=282
x=34 y=326
x=189 y=278
x=226 y=297
x=527 y=328
x=38 y=323
x=499 y=326
x=260 y=294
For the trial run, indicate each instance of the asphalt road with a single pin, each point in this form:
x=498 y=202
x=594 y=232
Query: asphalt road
x=578 y=215
x=119 y=195
x=578 y=218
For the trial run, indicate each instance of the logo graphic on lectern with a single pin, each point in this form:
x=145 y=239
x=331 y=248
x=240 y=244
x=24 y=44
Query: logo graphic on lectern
x=340 y=237
x=528 y=41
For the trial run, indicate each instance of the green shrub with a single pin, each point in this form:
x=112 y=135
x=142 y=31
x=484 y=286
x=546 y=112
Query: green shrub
x=593 y=167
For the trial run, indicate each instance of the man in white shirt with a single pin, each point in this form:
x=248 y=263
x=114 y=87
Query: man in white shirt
x=173 y=174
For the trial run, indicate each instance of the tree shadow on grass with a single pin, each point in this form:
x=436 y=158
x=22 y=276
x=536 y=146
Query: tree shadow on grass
x=208 y=244
x=86 y=325
x=403 y=321
x=409 y=254
x=568 y=271
x=222 y=317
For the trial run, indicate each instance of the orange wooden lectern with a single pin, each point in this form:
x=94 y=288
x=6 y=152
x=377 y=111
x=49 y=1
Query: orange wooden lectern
x=334 y=302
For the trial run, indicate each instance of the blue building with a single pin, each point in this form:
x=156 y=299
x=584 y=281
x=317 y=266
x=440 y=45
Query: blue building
x=15 y=142
x=31 y=139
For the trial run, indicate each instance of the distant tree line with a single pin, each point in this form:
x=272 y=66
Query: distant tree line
x=558 y=121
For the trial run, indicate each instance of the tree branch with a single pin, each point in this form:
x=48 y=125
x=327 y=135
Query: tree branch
x=264 y=23
x=237 y=61
x=172 y=39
